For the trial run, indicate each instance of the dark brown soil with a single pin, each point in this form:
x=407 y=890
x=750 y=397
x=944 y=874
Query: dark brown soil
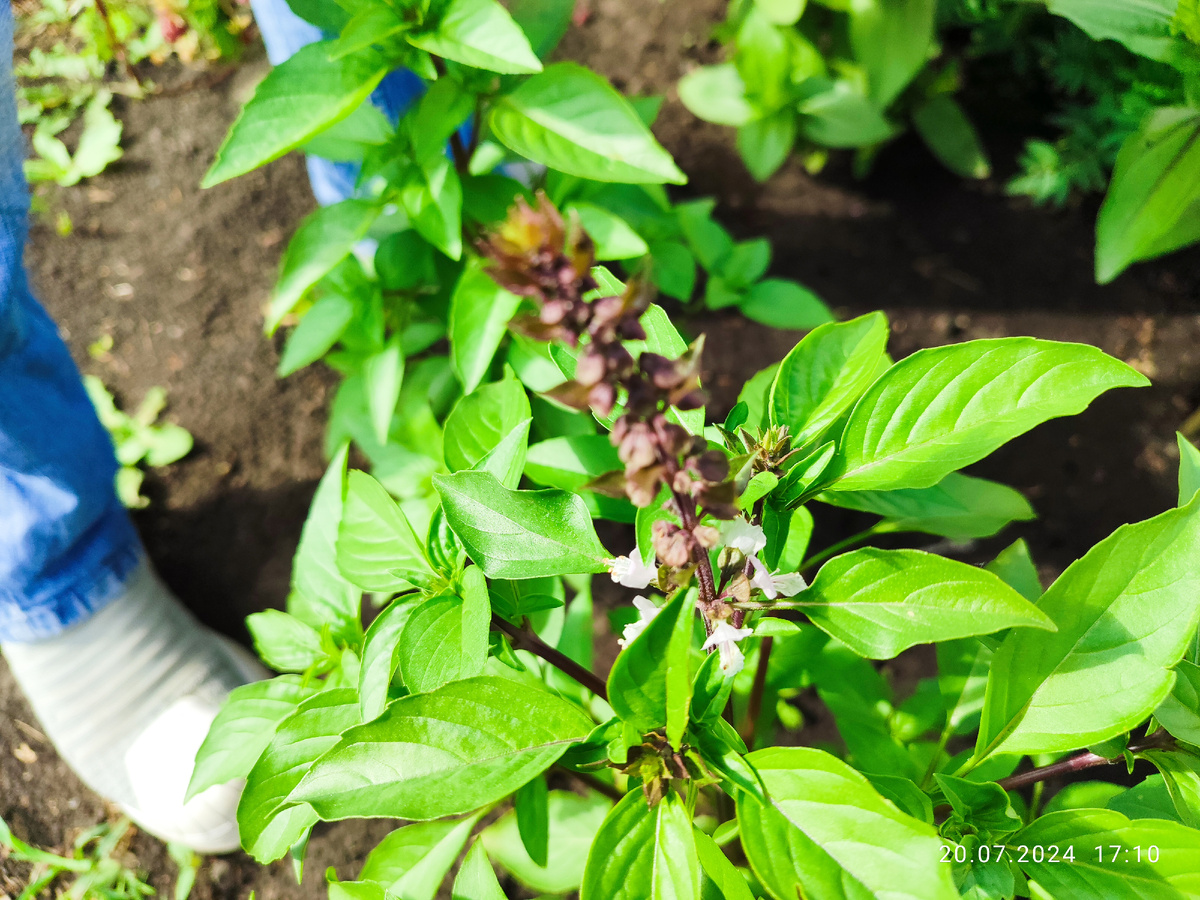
x=178 y=277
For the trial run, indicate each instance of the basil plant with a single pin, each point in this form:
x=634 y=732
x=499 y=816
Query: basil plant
x=829 y=75
x=482 y=700
x=386 y=287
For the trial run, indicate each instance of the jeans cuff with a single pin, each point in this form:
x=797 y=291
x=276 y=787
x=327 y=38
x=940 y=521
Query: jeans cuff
x=78 y=598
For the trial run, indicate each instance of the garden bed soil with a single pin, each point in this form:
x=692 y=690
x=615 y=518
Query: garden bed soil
x=177 y=277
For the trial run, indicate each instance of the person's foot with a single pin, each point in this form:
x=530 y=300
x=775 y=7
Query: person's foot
x=127 y=698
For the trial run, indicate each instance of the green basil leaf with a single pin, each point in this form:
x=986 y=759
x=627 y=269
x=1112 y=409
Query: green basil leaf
x=323 y=240
x=825 y=373
x=243 y=729
x=352 y=890
x=476 y=880
x=571 y=119
x=723 y=750
x=711 y=242
x=374 y=23
x=892 y=40
x=329 y=17
x=316 y=334
x=284 y=642
x=880 y=602
x=350 y=140
x=412 y=861
x=673 y=269
x=481 y=419
x=947 y=407
x=532 y=806
x=377 y=548
x=506 y=460
x=453 y=750
x=763 y=54
x=482 y=34
x=446 y=638
x=440 y=112
x=766 y=143
x=1015 y=567
x=1110 y=856
x=571 y=463
x=963 y=667
x=544 y=22
x=958 y=507
x=842 y=117
x=717 y=94
x=574 y=821
x=643 y=854
x=320 y=594
x=1148 y=800
x=1153 y=200
x=756 y=394
x=905 y=794
x=1125 y=614
x=479 y=314
x=432 y=197
x=520 y=534
x=781 y=12
x=1147 y=27
x=383 y=374
x=381 y=656
x=784 y=304
x=827 y=833
x=614 y=237
x=719 y=870
x=984 y=805
x=297 y=100
x=1181 y=775
x=1189 y=470
x=650 y=685
x=947 y=131
x=1179 y=713
x=270 y=821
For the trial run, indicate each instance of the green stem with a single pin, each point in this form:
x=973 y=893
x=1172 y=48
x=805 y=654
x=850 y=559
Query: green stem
x=837 y=548
x=947 y=733
x=1035 y=801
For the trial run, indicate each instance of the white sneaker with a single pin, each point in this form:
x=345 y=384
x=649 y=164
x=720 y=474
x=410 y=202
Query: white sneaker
x=127 y=698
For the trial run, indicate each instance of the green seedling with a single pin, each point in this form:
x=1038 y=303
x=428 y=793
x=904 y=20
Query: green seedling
x=136 y=439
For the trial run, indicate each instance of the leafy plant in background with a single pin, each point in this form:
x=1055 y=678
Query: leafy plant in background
x=832 y=74
x=95 y=866
x=1123 y=77
x=811 y=77
x=473 y=705
x=387 y=287
x=75 y=54
x=1152 y=205
x=136 y=439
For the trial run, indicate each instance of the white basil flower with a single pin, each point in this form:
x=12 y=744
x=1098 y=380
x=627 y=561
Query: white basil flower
x=773 y=584
x=632 y=571
x=725 y=638
x=646 y=613
x=741 y=535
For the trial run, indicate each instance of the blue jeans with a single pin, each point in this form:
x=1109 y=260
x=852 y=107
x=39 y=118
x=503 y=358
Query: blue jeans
x=66 y=543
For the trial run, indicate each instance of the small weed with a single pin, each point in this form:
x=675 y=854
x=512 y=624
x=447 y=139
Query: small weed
x=96 y=865
x=137 y=439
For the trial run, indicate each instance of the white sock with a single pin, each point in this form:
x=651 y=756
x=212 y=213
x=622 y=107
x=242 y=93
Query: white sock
x=127 y=697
